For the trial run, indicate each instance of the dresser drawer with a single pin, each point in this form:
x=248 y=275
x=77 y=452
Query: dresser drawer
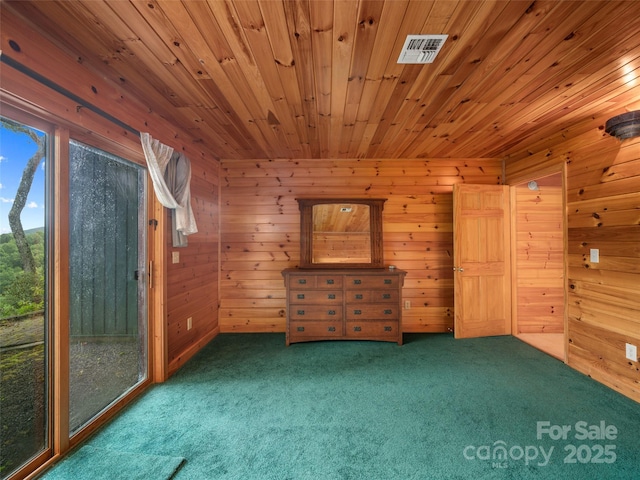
x=315 y=329
x=372 y=329
x=372 y=312
x=309 y=281
x=343 y=304
x=376 y=296
x=371 y=282
x=320 y=297
x=316 y=312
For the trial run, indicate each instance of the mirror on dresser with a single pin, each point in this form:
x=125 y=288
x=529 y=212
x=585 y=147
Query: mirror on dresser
x=341 y=232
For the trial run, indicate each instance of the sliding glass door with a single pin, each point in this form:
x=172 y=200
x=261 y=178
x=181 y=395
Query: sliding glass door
x=73 y=287
x=107 y=281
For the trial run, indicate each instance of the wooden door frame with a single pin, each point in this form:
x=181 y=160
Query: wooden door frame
x=157 y=308
x=513 y=183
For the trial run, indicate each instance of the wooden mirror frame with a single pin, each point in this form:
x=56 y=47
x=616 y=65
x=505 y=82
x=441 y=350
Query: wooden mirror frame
x=306 y=232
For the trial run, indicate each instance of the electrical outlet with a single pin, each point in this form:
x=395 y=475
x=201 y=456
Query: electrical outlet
x=631 y=352
x=407 y=304
x=189 y=323
x=175 y=257
x=594 y=255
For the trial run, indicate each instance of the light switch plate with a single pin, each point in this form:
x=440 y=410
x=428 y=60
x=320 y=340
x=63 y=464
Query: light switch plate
x=594 y=255
x=175 y=257
x=631 y=352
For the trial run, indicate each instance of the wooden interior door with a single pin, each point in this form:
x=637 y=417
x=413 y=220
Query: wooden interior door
x=481 y=252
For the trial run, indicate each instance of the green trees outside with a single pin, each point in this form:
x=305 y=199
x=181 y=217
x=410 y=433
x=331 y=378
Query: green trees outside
x=22 y=254
x=21 y=291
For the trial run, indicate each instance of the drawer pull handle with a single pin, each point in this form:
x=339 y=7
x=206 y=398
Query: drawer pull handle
x=331 y=329
x=331 y=296
x=387 y=281
x=388 y=312
x=359 y=296
x=386 y=296
x=357 y=282
x=302 y=281
x=357 y=312
x=387 y=329
x=331 y=312
x=301 y=296
x=330 y=281
x=357 y=329
x=300 y=312
x=300 y=329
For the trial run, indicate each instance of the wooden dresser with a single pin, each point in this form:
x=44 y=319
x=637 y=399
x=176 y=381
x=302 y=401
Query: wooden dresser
x=359 y=304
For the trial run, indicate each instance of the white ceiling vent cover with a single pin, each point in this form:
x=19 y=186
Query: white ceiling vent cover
x=421 y=48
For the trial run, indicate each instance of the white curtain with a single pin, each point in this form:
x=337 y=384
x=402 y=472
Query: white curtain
x=171 y=177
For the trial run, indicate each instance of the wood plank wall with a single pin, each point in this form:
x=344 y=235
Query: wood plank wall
x=260 y=230
x=539 y=257
x=603 y=212
x=192 y=282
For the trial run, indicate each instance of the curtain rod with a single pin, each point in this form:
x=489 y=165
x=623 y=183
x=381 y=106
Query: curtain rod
x=63 y=91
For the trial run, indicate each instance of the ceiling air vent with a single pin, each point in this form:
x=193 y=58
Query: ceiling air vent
x=421 y=48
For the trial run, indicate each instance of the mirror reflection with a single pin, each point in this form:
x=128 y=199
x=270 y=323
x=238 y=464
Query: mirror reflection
x=341 y=233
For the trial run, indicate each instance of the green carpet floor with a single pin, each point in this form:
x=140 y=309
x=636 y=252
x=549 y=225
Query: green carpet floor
x=247 y=407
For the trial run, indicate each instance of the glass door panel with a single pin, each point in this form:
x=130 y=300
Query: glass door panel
x=24 y=353
x=107 y=265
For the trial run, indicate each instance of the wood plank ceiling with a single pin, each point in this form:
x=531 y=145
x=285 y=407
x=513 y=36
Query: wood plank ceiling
x=320 y=79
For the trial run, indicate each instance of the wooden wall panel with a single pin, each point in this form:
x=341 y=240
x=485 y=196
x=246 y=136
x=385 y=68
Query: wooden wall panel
x=539 y=260
x=604 y=300
x=603 y=212
x=260 y=232
x=192 y=283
